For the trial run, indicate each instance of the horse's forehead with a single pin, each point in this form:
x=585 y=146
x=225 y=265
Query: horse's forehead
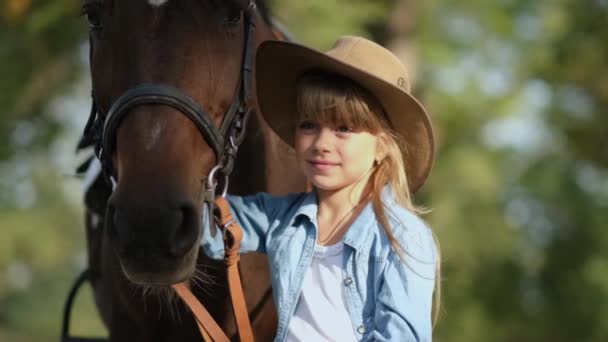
x=157 y=3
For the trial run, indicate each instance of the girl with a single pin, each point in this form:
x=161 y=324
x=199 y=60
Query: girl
x=350 y=260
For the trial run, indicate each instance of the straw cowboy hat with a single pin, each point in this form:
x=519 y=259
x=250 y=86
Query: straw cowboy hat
x=280 y=64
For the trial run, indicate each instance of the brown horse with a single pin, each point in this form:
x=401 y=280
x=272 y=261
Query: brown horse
x=171 y=81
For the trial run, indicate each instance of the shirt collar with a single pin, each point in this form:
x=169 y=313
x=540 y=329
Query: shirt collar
x=308 y=207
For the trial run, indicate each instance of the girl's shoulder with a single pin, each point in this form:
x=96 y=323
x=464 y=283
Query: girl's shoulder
x=406 y=225
x=413 y=234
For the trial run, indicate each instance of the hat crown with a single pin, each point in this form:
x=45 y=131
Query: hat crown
x=373 y=58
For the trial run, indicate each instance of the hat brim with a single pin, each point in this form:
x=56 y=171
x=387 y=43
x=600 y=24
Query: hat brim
x=280 y=64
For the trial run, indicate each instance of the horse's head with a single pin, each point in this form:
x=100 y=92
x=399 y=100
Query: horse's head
x=169 y=78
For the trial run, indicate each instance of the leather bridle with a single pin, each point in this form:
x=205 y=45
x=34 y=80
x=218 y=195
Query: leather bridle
x=101 y=127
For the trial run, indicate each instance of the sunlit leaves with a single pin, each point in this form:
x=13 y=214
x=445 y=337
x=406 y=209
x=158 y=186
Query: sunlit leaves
x=14 y=10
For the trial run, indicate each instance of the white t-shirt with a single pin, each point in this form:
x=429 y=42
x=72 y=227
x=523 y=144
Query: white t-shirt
x=321 y=313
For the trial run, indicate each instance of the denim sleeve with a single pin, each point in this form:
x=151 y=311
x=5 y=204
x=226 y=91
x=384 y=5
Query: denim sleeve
x=405 y=299
x=255 y=215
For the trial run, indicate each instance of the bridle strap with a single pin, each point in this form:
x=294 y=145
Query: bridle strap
x=248 y=53
x=67 y=311
x=155 y=94
x=233 y=234
x=207 y=326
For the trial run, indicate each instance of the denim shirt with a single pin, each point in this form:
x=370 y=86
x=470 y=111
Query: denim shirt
x=387 y=299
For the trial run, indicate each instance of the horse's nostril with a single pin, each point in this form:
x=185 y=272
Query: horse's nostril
x=141 y=231
x=185 y=232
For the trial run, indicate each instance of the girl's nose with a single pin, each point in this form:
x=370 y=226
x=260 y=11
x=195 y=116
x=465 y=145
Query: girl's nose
x=324 y=139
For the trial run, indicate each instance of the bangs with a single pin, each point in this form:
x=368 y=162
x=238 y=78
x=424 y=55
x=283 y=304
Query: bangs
x=335 y=100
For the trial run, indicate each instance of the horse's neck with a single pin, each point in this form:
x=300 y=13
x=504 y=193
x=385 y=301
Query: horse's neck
x=265 y=163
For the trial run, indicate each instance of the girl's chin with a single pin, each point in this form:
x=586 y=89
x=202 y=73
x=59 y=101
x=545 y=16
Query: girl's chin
x=325 y=185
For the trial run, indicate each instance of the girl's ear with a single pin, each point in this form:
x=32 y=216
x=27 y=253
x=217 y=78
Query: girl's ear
x=381 y=148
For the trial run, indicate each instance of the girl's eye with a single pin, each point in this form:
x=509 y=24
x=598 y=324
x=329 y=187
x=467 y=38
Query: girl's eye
x=307 y=125
x=233 y=18
x=233 y=13
x=344 y=129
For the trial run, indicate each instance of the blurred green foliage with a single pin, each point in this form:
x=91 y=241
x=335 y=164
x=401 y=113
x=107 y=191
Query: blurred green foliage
x=517 y=90
x=520 y=188
x=42 y=243
x=37 y=41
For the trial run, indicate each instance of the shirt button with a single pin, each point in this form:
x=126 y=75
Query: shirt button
x=361 y=329
x=348 y=281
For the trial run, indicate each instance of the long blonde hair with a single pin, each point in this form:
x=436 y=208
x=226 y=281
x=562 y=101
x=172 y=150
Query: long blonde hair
x=336 y=100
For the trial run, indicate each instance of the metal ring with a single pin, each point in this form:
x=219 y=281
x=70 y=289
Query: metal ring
x=211 y=182
x=225 y=190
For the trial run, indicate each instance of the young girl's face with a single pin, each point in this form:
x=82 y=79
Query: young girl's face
x=334 y=156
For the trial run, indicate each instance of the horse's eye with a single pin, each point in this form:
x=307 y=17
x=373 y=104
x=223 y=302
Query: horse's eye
x=92 y=9
x=233 y=18
x=232 y=12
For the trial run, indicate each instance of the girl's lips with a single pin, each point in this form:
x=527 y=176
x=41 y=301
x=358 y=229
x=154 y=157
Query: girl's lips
x=321 y=165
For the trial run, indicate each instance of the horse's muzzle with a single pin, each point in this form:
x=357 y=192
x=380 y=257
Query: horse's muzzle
x=155 y=244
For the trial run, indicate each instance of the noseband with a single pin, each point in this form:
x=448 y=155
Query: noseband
x=100 y=130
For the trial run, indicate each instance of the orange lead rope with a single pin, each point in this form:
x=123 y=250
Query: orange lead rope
x=209 y=329
x=233 y=234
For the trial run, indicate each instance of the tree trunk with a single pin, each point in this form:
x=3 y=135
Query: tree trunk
x=400 y=36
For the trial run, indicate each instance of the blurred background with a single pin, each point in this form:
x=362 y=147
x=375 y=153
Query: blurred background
x=518 y=92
